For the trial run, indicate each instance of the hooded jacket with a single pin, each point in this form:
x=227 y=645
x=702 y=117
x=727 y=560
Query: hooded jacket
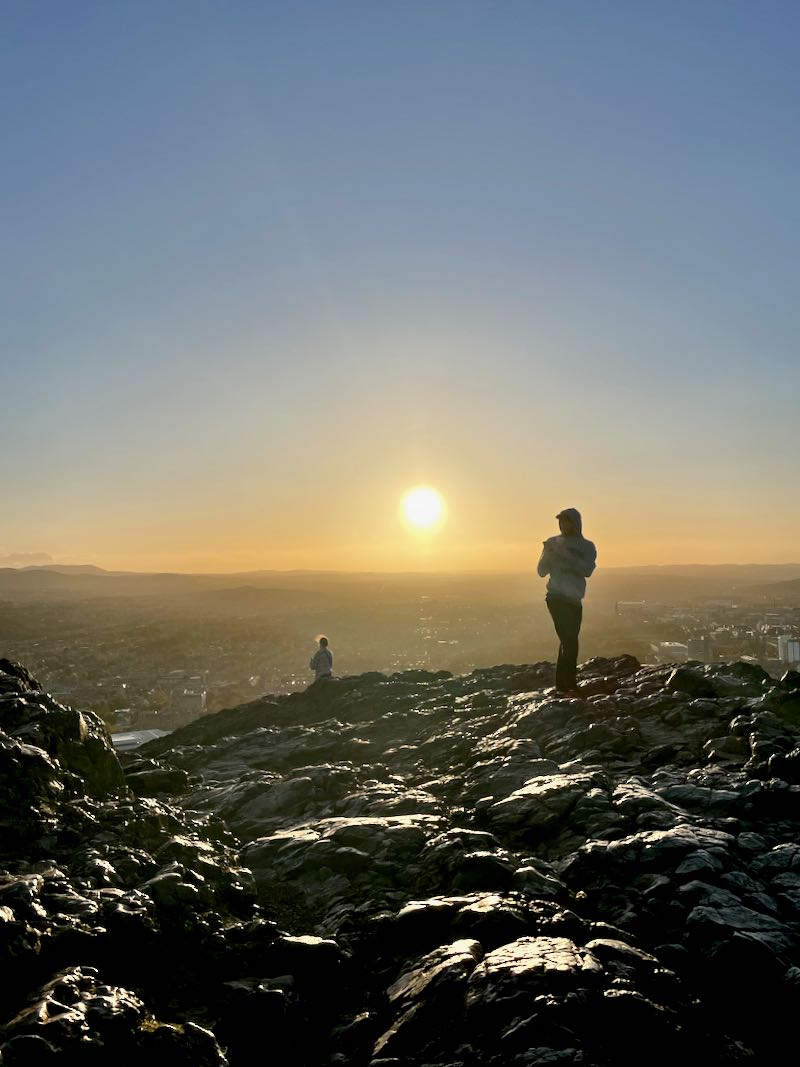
x=569 y=561
x=321 y=663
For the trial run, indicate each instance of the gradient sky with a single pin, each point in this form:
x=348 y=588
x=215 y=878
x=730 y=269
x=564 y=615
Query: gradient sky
x=265 y=265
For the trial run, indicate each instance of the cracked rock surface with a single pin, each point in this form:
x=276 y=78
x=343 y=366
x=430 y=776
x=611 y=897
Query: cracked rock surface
x=409 y=869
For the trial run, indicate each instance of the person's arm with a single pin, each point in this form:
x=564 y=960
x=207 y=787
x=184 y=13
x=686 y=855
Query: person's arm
x=590 y=559
x=543 y=566
x=583 y=560
x=579 y=559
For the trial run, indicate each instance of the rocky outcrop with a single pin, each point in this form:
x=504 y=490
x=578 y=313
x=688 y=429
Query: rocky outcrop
x=410 y=869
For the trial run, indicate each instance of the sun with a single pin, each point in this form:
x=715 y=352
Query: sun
x=423 y=506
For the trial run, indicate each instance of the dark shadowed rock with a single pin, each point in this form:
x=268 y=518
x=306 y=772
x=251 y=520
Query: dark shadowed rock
x=78 y=740
x=146 y=778
x=428 y=998
x=14 y=678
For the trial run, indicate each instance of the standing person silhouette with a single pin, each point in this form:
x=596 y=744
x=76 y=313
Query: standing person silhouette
x=321 y=663
x=569 y=559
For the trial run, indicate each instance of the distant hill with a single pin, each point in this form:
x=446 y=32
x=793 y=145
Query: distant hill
x=66 y=568
x=733 y=573
x=247 y=590
x=46 y=583
x=26 y=559
x=743 y=582
x=788 y=592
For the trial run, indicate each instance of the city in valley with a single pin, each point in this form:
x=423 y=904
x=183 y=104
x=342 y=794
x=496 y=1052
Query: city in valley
x=154 y=651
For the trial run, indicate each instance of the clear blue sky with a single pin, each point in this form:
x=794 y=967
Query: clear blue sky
x=265 y=265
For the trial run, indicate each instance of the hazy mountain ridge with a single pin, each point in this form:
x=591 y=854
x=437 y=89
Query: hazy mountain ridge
x=788 y=590
x=747 y=581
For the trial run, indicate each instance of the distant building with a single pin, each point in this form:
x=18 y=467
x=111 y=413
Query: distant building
x=788 y=649
x=701 y=648
x=124 y=742
x=189 y=702
x=122 y=719
x=671 y=652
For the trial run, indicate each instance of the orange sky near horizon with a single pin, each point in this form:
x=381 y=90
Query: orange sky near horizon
x=313 y=535
x=267 y=272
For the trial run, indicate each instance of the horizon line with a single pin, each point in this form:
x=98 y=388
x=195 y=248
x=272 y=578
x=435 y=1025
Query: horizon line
x=315 y=571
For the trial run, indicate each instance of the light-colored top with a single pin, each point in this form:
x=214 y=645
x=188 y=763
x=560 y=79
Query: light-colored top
x=322 y=663
x=569 y=560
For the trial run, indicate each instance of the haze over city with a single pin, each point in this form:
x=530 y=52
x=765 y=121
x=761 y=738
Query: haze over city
x=269 y=266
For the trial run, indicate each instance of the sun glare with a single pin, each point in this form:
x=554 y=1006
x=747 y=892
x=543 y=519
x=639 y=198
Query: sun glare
x=423 y=506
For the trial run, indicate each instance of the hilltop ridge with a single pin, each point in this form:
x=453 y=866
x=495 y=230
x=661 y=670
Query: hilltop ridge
x=410 y=868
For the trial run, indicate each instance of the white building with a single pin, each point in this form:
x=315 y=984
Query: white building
x=788 y=649
x=671 y=652
x=189 y=702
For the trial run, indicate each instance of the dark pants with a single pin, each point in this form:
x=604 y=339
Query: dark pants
x=567 y=621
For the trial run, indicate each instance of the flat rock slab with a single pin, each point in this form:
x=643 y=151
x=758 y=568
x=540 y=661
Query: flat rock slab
x=541 y=803
x=531 y=966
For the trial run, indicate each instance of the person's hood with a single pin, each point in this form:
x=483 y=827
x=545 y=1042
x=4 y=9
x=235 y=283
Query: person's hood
x=575 y=516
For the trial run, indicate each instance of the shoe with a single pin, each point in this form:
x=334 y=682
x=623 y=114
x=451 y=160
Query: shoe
x=567 y=693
